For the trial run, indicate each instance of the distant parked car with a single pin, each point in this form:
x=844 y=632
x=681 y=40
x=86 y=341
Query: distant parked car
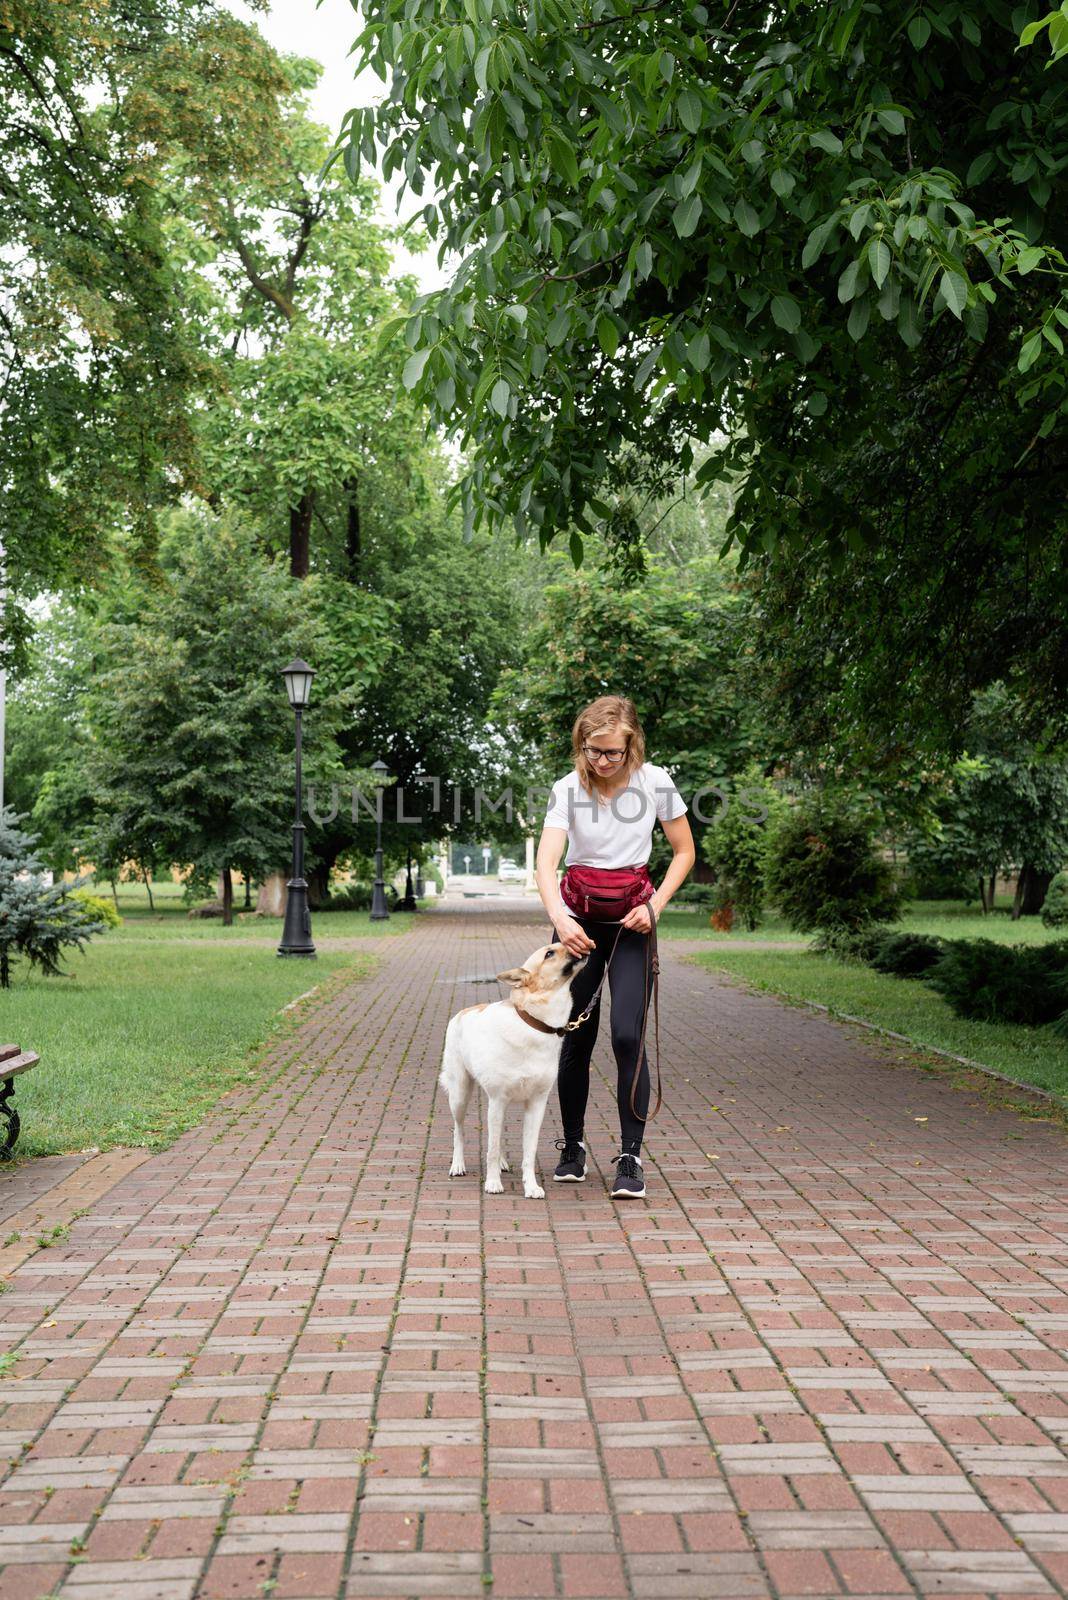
x=509 y=871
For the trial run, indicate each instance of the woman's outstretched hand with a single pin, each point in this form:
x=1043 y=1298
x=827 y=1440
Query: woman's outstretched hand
x=574 y=936
x=640 y=917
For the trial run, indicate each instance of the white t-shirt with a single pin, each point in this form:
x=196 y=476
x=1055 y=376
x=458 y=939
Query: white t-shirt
x=617 y=832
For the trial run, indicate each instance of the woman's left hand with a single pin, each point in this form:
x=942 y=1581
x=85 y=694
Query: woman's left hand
x=641 y=917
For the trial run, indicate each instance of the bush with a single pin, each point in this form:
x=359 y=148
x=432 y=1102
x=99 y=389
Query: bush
x=351 y=897
x=735 y=846
x=990 y=982
x=702 y=895
x=101 y=909
x=850 y=944
x=1055 y=906
x=907 y=955
x=824 y=872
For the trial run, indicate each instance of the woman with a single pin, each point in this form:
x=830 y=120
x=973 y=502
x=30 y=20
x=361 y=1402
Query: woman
x=587 y=813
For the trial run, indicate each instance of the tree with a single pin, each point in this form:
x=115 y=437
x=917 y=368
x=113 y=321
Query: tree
x=824 y=871
x=736 y=845
x=191 y=741
x=289 y=279
x=1004 y=808
x=37 y=920
x=829 y=231
x=98 y=365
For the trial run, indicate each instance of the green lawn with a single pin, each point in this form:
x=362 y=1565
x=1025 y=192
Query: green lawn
x=157 y=1020
x=950 y=918
x=169 y=919
x=906 y=1005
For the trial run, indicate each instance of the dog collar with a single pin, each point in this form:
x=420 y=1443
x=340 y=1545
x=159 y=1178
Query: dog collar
x=536 y=1022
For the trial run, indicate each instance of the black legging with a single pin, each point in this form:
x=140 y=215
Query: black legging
x=625 y=983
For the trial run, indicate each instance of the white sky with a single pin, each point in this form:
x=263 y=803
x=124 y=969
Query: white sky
x=326 y=33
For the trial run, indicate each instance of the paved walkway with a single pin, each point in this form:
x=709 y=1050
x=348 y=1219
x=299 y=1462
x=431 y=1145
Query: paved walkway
x=289 y=1356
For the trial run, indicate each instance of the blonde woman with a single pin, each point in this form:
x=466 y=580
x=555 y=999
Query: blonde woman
x=605 y=811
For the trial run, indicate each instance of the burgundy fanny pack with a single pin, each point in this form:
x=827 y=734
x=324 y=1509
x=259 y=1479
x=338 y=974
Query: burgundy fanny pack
x=605 y=893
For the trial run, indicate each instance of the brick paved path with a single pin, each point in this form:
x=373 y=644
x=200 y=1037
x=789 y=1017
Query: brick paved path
x=291 y=1357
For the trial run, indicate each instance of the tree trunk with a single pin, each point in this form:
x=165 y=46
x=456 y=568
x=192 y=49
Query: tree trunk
x=318 y=884
x=982 y=895
x=148 y=886
x=353 y=553
x=228 y=897
x=1031 y=887
x=5 y=967
x=115 y=893
x=300 y=519
x=993 y=883
x=248 y=892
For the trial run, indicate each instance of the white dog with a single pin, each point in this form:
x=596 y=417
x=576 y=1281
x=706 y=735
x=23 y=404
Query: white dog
x=512 y=1048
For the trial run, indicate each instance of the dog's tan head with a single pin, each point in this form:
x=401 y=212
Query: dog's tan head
x=547 y=969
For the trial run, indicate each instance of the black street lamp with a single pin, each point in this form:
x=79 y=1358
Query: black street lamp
x=296 y=934
x=379 y=909
x=420 y=886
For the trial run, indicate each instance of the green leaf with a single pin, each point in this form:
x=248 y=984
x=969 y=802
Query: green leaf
x=847 y=283
x=576 y=547
x=816 y=240
x=1029 y=259
x=981 y=168
x=782 y=182
x=698 y=351
x=891 y=120
x=752 y=151
x=857 y=325
x=879 y=261
x=908 y=322
x=643 y=258
x=747 y=219
x=824 y=139
x=607 y=336
x=499 y=397
x=1029 y=351
x=686 y=215
x=954 y=291
x=919 y=31
x=816 y=404
x=786 y=313
x=562 y=157
x=690 y=109
x=559 y=327
x=413 y=368
x=688 y=182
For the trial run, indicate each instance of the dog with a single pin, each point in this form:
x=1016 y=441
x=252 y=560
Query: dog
x=512 y=1059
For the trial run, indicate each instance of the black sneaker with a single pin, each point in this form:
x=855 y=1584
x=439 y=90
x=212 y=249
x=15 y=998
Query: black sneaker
x=572 y=1167
x=630 y=1181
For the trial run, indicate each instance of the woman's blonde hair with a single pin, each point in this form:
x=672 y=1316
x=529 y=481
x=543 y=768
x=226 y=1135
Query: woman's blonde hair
x=615 y=714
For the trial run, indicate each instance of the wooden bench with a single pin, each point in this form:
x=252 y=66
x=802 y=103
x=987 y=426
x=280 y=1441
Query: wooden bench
x=13 y=1062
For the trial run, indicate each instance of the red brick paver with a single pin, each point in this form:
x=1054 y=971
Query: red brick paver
x=290 y=1356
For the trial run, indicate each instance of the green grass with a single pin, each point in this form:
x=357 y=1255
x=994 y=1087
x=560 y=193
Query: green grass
x=152 y=1026
x=951 y=918
x=170 y=919
x=904 y=1005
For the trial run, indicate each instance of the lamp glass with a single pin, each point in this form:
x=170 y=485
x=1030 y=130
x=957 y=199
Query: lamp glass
x=298 y=676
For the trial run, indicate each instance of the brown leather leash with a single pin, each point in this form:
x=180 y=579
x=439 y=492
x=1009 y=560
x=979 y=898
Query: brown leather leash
x=652 y=965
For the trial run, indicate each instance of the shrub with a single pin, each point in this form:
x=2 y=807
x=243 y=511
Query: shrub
x=907 y=955
x=850 y=944
x=735 y=846
x=351 y=897
x=703 y=895
x=101 y=909
x=824 y=872
x=1055 y=906
x=37 y=921
x=990 y=982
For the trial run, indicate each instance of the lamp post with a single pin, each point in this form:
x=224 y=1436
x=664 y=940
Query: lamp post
x=296 y=932
x=379 y=909
x=420 y=886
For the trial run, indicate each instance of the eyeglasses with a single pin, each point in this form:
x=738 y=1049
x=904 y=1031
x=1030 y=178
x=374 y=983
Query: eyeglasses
x=594 y=754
